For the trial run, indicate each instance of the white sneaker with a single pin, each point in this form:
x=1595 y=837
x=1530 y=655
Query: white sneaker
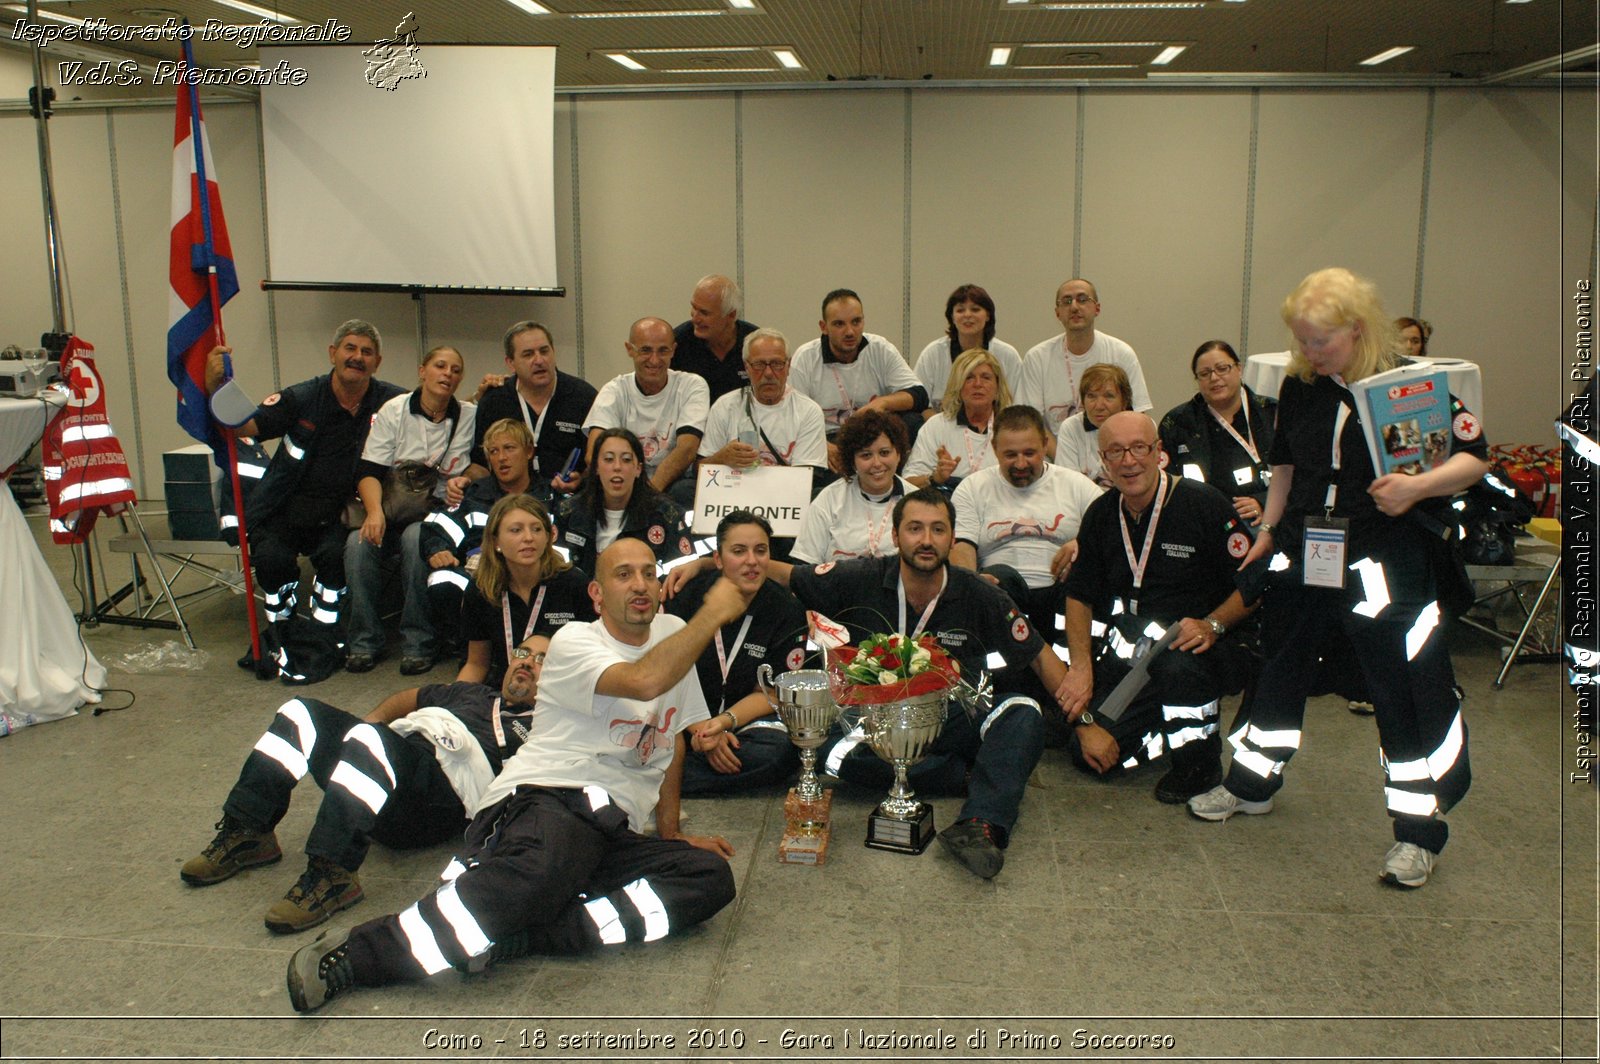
x=1407 y=865
x=1219 y=803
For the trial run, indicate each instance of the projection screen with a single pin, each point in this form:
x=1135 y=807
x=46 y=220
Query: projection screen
x=443 y=181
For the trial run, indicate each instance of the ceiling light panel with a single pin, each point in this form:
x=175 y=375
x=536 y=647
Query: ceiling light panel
x=530 y=6
x=259 y=12
x=1388 y=54
x=625 y=60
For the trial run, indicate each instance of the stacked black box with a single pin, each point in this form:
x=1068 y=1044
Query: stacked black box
x=193 y=483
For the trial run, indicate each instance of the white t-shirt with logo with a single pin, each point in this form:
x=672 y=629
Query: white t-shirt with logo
x=933 y=366
x=971 y=450
x=793 y=424
x=1022 y=527
x=680 y=406
x=841 y=389
x=841 y=523
x=585 y=739
x=1050 y=377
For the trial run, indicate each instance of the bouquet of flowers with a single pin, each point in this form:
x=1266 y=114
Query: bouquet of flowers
x=889 y=667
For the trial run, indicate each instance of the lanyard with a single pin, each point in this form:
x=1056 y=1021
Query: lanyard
x=1249 y=444
x=499 y=732
x=1335 y=458
x=505 y=617
x=900 y=590
x=976 y=460
x=1138 y=565
x=876 y=526
x=725 y=660
x=1072 y=388
x=849 y=404
x=535 y=427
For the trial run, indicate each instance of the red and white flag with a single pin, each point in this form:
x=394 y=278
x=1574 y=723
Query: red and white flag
x=85 y=468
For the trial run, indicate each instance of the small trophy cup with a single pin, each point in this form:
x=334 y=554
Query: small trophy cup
x=805 y=705
x=901 y=733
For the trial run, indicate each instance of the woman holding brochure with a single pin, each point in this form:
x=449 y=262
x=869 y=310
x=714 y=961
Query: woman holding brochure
x=1360 y=553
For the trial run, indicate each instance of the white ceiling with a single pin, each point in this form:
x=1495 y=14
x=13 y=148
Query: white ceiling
x=1225 y=41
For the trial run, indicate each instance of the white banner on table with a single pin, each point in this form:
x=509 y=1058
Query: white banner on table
x=778 y=493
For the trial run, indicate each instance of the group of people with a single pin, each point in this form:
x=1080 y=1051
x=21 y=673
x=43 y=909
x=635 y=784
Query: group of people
x=1116 y=578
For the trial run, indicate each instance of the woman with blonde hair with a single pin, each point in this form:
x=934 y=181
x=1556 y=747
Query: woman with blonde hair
x=1358 y=553
x=955 y=442
x=522 y=588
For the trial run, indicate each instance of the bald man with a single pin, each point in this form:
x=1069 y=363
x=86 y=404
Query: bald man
x=1155 y=553
x=556 y=860
x=666 y=409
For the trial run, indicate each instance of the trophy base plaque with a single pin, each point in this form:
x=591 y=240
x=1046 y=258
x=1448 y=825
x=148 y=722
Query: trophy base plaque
x=805 y=830
x=886 y=832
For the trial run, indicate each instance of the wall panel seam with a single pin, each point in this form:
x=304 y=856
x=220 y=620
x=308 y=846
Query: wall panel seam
x=738 y=192
x=1422 y=210
x=1249 y=221
x=905 y=231
x=1077 y=190
x=577 y=233
x=127 y=303
x=266 y=248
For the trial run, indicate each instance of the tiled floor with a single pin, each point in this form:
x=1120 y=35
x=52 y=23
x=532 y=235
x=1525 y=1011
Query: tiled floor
x=1263 y=938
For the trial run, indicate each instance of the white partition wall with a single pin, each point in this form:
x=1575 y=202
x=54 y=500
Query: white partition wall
x=1468 y=205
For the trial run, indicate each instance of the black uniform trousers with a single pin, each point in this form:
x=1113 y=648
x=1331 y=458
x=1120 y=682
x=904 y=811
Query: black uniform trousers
x=989 y=760
x=766 y=758
x=276 y=546
x=1178 y=711
x=377 y=784
x=1394 y=624
x=559 y=863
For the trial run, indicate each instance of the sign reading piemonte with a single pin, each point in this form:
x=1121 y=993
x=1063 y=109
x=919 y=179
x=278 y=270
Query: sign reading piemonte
x=778 y=493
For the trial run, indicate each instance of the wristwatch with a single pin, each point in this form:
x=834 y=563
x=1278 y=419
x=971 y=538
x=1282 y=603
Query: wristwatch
x=1264 y=528
x=1085 y=718
x=1217 y=626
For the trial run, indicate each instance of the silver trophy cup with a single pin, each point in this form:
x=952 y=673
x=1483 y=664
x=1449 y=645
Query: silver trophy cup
x=901 y=733
x=806 y=707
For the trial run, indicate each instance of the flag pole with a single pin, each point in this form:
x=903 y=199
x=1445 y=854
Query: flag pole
x=203 y=192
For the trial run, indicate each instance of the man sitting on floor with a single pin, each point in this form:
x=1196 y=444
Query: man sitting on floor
x=406 y=784
x=555 y=859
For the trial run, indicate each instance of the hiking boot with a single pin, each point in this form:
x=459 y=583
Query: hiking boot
x=235 y=848
x=320 y=971
x=1407 y=865
x=972 y=843
x=1181 y=784
x=1219 y=803
x=359 y=662
x=415 y=665
x=323 y=889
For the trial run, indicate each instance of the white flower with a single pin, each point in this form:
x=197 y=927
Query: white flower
x=920 y=659
x=885 y=676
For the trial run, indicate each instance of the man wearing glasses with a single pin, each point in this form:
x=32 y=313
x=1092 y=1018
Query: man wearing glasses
x=1156 y=553
x=766 y=423
x=1052 y=370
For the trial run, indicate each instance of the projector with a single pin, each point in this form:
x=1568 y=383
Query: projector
x=26 y=373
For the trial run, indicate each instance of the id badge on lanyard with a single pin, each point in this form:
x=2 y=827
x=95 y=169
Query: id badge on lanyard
x=1327 y=538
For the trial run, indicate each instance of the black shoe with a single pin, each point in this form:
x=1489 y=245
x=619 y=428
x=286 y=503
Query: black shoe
x=360 y=662
x=320 y=971
x=416 y=666
x=1181 y=784
x=972 y=843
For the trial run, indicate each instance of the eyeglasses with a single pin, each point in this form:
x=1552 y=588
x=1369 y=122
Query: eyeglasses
x=1083 y=299
x=523 y=653
x=1140 y=451
x=1216 y=371
x=768 y=367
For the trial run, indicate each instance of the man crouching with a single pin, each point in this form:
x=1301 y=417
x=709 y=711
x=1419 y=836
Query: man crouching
x=554 y=860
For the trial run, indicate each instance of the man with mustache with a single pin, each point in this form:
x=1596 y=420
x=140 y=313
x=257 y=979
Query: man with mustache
x=1017 y=524
x=297 y=508
x=404 y=775
x=916 y=591
x=556 y=859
